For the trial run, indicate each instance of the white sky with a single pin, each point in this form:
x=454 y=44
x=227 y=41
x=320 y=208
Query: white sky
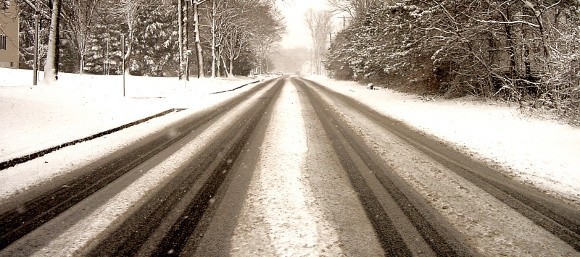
x=297 y=33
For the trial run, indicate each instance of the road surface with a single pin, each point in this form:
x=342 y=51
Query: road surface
x=288 y=168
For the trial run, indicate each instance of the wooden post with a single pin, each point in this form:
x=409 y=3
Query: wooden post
x=123 y=54
x=107 y=64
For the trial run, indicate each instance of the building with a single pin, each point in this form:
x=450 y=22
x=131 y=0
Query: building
x=9 y=27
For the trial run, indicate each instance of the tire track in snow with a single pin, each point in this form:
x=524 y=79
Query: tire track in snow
x=279 y=196
x=510 y=233
x=553 y=215
x=96 y=213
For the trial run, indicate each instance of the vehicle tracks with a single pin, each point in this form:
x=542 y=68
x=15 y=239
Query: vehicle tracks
x=550 y=213
x=200 y=198
x=380 y=195
x=27 y=212
x=170 y=217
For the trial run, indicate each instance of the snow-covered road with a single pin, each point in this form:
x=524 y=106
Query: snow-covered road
x=283 y=168
x=279 y=208
x=538 y=151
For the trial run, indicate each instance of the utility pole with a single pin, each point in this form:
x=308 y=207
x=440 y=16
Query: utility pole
x=343 y=21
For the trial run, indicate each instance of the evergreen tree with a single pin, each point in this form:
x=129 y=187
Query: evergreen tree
x=525 y=51
x=156 y=41
x=104 y=44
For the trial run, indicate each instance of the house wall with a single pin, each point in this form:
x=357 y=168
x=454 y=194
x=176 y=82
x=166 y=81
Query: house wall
x=9 y=27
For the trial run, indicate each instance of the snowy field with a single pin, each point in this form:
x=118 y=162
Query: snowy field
x=38 y=117
x=541 y=152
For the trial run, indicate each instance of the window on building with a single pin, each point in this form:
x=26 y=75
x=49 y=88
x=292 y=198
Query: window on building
x=2 y=42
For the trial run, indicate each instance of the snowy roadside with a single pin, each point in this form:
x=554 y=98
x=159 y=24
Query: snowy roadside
x=34 y=118
x=40 y=117
x=99 y=212
x=540 y=152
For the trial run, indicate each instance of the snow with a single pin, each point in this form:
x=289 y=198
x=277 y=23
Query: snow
x=538 y=151
x=534 y=150
x=93 y=222
x=35 y=118
x=278 y=198
x=542 y=152
x=488 y=224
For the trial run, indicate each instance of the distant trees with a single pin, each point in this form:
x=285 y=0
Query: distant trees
x=266 y=29
x=158 y=35
x=355 y=8
x=525 y=50
x=103 y=54
x=230 y=30
x=241 y=33
x=80 y=17
x=320 y=26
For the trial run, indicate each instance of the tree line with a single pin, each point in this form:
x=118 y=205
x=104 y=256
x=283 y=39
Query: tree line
x=526 y=51
x=162 y=37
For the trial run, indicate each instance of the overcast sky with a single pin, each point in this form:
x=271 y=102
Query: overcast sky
x=297 y=33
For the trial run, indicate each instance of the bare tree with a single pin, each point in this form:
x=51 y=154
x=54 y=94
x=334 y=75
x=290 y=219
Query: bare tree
x=51 y=64
x=128 y=10
x=79 y=16
x=222 y=16
x=266 y=24
x=354 y=8
x=197 y=39
x=182 y=65
x=183 y=39
x=215 y=20
x=185 y=31
x=319 y=24
x=241 y=26
x=235 y=31
x=235 y=41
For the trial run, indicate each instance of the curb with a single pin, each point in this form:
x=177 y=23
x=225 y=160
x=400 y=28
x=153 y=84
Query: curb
x=23 y=159
x=230 y=90
x=18 y=160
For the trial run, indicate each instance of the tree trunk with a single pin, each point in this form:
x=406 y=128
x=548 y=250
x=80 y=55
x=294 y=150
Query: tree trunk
x=186 y=38
x=82 y=64
x=129 y=45
x=225 y=67
x=538 y=16
x=213 y=38
x=51 y=64
x=510 y=45
x=199 y=50
x=218 y=66
x=232 y=67
x=180 y=72
x=128 y=52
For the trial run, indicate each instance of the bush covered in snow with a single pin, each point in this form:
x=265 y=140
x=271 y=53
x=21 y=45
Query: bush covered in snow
x=523 y=51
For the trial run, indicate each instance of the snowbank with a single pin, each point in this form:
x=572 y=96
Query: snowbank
x=38 y=117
